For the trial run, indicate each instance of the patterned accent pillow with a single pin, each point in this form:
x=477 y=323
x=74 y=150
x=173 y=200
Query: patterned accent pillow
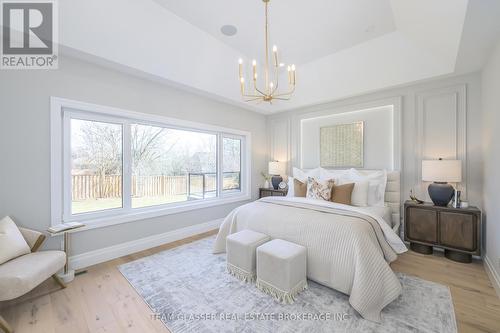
x=319 y=191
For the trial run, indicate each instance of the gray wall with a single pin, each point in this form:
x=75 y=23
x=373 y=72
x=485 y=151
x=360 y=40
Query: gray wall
x=25 y=141
x=377 y=133
x=491 y=146
x=440 y=118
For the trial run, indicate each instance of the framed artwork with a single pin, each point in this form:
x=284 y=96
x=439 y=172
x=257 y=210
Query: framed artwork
x=341 y=146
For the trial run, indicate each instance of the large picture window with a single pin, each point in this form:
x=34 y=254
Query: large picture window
x=118 y=165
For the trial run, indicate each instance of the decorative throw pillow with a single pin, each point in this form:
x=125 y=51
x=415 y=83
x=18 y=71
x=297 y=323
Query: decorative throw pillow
x=342 y=193
x=320 y=191
x=299 y=188
x=12 y=242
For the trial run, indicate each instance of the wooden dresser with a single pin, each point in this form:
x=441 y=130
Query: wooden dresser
x=456 y=230
x=271 y=192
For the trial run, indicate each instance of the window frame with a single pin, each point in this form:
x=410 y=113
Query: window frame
x=63 y=110
x=242 y=159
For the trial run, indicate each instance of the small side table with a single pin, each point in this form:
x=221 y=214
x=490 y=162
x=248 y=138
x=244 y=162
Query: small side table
x=271 y=192
x=68 y=275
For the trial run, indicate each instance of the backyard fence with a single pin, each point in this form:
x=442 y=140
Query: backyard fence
x=110 y=186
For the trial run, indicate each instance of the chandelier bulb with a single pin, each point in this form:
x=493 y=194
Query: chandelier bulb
x=271 y=82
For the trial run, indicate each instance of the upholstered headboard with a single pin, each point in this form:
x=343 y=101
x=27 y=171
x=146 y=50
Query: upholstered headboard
x=393 y=197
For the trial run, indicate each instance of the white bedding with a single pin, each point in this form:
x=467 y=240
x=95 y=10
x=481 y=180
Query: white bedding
x=384 y=212
x=348 y=248
x=380 y=214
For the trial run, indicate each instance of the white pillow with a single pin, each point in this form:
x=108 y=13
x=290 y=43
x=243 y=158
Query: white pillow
x=302 y=174
x=377 y=183
x=325 y=174
x=12 y=242
x=359 y=196
x=291 y=187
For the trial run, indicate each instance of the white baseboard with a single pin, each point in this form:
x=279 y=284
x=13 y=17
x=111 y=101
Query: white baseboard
x=493 y=274
x=87 y=259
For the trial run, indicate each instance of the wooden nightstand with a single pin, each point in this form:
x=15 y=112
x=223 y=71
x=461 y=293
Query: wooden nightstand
x=456 y=230
x=271 y=192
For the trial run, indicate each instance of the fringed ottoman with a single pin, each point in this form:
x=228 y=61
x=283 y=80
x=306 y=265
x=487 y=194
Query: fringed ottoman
x=240 y=249
x=281 y=269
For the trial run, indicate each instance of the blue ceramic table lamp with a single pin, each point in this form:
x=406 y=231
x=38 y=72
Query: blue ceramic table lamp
x=441 y=172
x=276 y=170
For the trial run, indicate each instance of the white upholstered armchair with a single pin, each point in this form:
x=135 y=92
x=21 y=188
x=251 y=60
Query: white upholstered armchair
x=22 y=274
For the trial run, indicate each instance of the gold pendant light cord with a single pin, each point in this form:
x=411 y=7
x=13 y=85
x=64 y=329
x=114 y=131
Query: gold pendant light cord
x=267 y=51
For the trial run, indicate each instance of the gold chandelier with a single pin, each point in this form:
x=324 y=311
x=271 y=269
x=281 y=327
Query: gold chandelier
x=270 y=91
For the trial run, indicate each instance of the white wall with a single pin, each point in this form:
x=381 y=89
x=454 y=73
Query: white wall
x=25 y=141
x=377 y=131
x=440 y=118
x=491 y=136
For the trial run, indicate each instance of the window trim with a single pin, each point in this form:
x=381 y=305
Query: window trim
x=62 y=108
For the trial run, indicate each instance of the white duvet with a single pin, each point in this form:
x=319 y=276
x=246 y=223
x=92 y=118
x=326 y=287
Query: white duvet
x=348 y=248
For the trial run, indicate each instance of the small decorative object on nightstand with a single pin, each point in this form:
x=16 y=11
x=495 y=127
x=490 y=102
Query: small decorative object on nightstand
x=456 y=230
x=441 y=172
x=267 y=179
x=270 y=192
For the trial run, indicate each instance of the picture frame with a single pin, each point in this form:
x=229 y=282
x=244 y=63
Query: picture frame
x=342 y=145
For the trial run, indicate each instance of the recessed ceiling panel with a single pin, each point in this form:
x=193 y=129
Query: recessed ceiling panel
x=302 y=30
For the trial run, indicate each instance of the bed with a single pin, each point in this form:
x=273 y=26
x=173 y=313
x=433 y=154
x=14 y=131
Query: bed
x=349 y=248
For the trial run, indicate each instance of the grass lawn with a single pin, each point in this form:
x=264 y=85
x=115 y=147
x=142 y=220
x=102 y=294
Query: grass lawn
x=92 y=205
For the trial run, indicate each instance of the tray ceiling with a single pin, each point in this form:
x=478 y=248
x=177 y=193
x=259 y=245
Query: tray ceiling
x=342 y=48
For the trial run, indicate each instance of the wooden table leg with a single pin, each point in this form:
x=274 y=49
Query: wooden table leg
x=4 y=326
x=68 y=275
x=59 y=281
x=66 y=250
x=421 y=248
x=464 y=258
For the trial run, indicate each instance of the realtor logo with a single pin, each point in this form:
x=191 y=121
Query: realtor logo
x=29 y=35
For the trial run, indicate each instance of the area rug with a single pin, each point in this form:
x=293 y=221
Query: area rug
x=189 y=290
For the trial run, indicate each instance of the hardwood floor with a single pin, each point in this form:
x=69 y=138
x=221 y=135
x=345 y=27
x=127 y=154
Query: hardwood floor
x=101 y=300
x=477 y=306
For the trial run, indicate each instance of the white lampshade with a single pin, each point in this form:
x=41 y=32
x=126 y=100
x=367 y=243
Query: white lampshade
x=276 y=168
x=446 y=171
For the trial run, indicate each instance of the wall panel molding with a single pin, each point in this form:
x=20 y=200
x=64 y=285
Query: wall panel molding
x=327 y=110
x=279 y=141
x=441 y=120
